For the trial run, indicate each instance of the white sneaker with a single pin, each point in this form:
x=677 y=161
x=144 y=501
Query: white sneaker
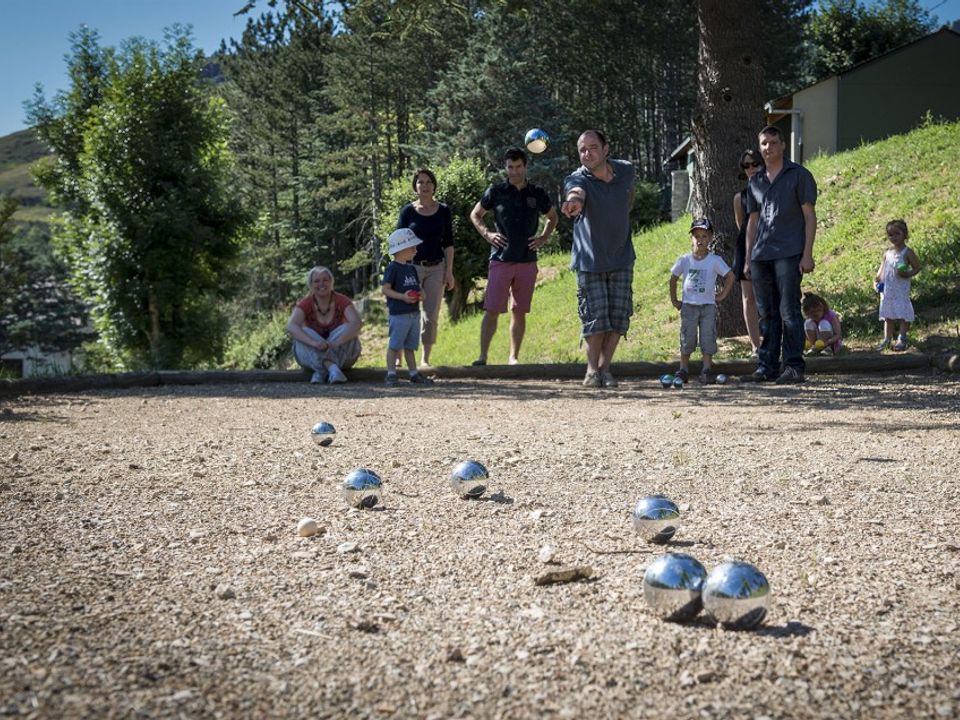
x=335 y=375
x=317 y=377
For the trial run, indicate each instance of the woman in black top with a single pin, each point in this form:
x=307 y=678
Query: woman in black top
x=433 y=224
x=751 y=162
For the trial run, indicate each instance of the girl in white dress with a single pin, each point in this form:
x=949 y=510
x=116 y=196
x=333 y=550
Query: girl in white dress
x=899 y=264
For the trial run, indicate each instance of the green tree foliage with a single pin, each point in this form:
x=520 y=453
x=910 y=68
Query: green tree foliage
x=843 y=33
x=276 y=92
x=36 y=306
x=149 y=228
x=407 y=84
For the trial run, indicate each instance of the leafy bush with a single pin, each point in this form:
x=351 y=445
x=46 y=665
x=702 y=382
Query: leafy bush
x=259 y=344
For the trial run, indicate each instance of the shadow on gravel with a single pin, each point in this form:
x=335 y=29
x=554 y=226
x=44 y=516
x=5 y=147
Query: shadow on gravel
x=924 y=391
x=790 y=629
x=9 y=415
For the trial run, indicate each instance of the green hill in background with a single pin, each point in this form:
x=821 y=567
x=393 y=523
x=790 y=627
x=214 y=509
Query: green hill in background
x=912 y=176
x=18 y=152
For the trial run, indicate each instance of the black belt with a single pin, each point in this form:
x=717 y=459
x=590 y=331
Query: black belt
x=428 y=263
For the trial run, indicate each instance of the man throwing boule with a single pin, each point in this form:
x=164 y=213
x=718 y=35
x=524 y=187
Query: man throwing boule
x=598 y=197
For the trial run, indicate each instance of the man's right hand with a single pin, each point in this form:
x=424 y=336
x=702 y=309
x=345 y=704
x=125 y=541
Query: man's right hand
x=495 y=239
x=572 y=207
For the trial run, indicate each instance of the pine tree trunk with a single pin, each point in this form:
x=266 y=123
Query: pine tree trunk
x=727 y=116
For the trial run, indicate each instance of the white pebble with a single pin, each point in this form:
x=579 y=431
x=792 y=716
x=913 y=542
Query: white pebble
x=307 y=527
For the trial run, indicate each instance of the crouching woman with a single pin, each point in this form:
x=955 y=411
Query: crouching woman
x=324 y=326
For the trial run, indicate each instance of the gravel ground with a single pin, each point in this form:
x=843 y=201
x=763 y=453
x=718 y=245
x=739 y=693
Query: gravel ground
x=151 y=565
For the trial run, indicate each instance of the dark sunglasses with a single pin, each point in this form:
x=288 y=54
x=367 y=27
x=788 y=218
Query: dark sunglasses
x=750 y=165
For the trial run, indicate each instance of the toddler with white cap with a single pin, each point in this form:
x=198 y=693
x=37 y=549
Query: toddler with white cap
x=401 y=287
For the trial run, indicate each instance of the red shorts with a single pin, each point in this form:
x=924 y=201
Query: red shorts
x=518 y=279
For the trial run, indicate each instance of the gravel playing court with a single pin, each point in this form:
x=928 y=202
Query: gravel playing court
x=151 y=565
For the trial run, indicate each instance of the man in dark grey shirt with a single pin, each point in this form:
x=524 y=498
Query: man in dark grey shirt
x=598 y=197
x=780 y=232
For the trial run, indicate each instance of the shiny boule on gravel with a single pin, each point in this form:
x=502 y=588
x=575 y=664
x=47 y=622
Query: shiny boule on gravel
x=736 y=595
x=322 y=433
x=672 y=585
x=656 y=518
x=363 y=488
x=469 y=479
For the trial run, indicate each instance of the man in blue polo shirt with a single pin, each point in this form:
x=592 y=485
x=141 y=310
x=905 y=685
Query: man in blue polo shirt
x=517 y=206
x=780 y=234
x=597 y=197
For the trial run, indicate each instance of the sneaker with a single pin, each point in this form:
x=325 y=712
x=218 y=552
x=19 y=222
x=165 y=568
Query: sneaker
x=607 y=379
x=901 y=344
x=683 y=374
x=418 y=379
x=790 y=376
x=390 y=380
x=884 y=345
x=479 y=362
x=592 y=379
x=335 y=375
x=316 y=378
x=708 y=376
x=757 y=375
x=755 y=355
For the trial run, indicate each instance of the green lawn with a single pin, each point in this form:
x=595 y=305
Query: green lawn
x=911 y=176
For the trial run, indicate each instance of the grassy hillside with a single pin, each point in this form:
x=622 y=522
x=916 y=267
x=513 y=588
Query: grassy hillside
x=18 y=151
x=912 y=176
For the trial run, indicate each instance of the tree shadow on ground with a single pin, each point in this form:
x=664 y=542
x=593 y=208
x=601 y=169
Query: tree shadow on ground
x=927 y=391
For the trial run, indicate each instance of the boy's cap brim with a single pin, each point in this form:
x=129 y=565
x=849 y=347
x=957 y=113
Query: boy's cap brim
x=401 y=240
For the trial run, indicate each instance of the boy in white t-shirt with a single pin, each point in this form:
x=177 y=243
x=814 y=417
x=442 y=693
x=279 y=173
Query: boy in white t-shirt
x=698 y=311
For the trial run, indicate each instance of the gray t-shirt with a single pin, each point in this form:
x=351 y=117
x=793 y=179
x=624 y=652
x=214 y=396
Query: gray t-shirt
x=601 y=234
x=780 y=230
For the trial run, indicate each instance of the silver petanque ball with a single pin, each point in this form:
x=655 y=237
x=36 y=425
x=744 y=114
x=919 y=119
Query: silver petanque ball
x=672 y=585
x=736 y=595
x=469 y=479
x=362 y=488
x=721 y=379
x=656 y=518
x=323 y=433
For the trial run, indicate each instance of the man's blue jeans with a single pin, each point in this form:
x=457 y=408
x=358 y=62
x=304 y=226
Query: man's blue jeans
x=776 y=285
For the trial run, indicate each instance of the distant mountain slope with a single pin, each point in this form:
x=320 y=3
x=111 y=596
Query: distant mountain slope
x=18 y=151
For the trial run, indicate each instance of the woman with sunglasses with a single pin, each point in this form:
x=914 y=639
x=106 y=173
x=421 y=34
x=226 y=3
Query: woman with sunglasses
x=751 y=163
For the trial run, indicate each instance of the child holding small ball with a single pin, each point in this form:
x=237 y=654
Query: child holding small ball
x=899 y=264
x=821 y=327
x=401 y=287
